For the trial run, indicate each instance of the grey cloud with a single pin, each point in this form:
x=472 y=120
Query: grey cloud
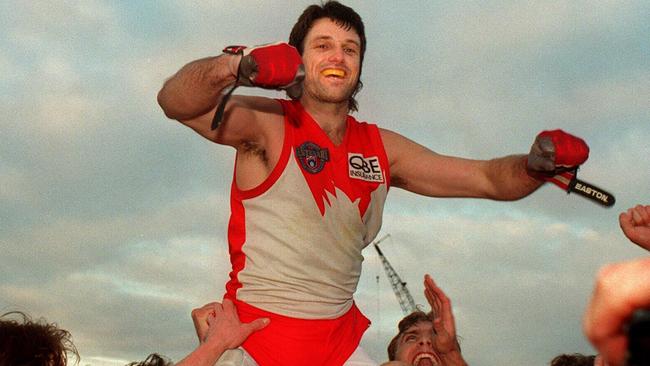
x=506 y=278
x=113 y=218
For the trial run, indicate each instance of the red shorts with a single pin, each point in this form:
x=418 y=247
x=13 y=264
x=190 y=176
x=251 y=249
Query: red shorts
x=303 y=342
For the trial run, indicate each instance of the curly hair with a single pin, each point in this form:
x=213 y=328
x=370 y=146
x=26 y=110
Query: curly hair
x=33 y=343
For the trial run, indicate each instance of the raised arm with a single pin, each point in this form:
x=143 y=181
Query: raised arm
x=417 y=169
x=194 y=92
x=444 y=325
x=196 y=88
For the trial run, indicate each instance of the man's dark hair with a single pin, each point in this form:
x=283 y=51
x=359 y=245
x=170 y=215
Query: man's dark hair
x=25 y=342
x=342 y=15
x=404 y=324
x=575 y=359
x=153 y=359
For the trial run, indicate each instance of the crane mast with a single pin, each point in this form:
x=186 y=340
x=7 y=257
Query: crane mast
x=399 y=287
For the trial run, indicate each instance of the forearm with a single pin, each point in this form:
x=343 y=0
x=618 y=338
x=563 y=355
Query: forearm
x=508 y=178
x=204 y=355
x=196 y=88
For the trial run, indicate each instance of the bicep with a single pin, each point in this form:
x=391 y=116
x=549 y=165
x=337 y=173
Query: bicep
x=245 y=119
x=417 y=169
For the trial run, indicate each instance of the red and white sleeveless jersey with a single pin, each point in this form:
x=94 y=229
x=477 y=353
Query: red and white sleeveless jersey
x=295 y=240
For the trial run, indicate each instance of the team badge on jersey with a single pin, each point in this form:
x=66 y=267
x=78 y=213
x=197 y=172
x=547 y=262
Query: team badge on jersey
x=312 y=157
x=365 y=168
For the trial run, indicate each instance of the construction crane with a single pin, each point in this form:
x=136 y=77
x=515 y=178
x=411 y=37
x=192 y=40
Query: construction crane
x=399 y=287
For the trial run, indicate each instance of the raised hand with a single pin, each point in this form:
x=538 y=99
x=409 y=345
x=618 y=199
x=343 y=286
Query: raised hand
x=635 y=224
x=443 y=318
x=555 y=151
x=270 y=66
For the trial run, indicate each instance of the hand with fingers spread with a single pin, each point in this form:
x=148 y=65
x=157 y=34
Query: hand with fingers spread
x=443 y=318
x=219 y=329
x=635 y=223
x=224 y=326
x=444 y=325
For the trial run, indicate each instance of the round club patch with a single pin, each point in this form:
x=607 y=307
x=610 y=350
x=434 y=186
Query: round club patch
x=312 y=157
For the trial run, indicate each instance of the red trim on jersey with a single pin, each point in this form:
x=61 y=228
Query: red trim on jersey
x=309 y=127
x=236 y=240
x=292 y=341
x=357 y=136
x=275 y=173
x=378 y=144
x=236 y=225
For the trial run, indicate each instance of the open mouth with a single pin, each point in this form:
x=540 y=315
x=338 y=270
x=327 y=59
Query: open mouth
x=426 y=359
x=337 y=73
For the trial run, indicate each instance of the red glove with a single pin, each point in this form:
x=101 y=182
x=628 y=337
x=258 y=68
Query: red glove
x=556 y=151
x=271 y=66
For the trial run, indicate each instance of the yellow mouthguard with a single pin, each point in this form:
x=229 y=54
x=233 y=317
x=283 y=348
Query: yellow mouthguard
x=334 y=72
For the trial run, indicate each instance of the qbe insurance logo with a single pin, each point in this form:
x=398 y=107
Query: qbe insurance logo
x=367 y=169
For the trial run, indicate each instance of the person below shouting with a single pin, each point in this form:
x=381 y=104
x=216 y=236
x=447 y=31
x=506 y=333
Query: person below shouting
x=427 y=339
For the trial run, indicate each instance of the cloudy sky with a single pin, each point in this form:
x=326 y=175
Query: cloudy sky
x=112 y=218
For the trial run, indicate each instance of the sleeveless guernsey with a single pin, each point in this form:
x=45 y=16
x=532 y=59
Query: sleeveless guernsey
x=295 y=241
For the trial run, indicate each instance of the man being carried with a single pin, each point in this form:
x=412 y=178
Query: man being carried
x=310 y=181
